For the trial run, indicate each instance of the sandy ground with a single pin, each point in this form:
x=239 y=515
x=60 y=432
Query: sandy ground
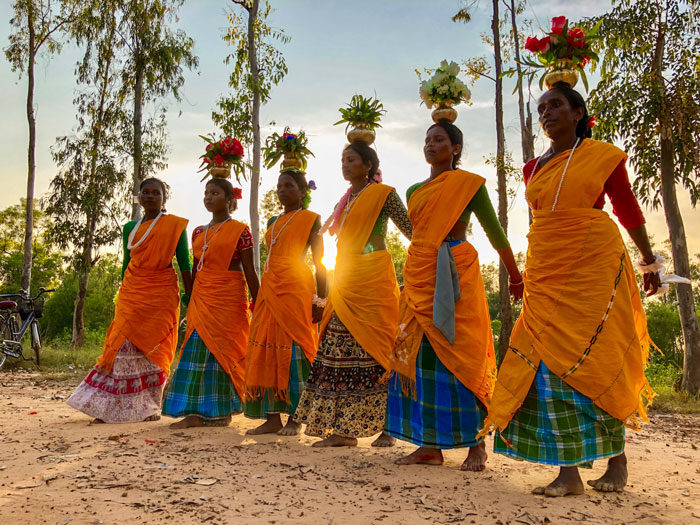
x=55 y=468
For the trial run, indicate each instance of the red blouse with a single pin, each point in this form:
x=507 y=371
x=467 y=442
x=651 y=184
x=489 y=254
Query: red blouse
x=245 y=241
x=617 y=188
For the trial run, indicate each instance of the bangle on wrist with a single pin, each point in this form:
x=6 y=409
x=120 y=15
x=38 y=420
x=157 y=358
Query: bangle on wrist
x=515 y=283
x=318 y=301
x=652 y=267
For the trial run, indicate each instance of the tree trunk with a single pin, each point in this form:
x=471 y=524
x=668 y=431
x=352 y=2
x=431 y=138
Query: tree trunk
x=78 y=338
x=503 y=293
x=31 y=162
x=138 y=136
x=526 y=135
x=255 y=174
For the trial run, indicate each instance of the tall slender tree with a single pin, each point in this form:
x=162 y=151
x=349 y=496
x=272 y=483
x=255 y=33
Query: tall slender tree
x=648 y=98
x=37 y=26
x=257 y=67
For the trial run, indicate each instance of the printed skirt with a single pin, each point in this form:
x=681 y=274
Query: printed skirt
x=557 y=425
x=131 y=392
x=199 y=386
x=265 y=406
x=344 y=394
x=445 y=414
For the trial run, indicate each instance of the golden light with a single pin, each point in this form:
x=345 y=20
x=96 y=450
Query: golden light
x=329 y=251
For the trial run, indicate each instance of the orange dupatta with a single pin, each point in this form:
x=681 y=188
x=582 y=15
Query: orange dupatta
x=433 y=209
x=365 y=294
x=218 y=309
x=582 y=314
x=148 y=303
x=283 y=309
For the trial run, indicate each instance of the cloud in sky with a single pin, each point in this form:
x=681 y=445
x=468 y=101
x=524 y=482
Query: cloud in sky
x=337 y=49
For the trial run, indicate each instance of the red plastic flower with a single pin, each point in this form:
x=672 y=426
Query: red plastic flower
x=237 y=148
x=210 y=146
x=558 y=23
x=237 y=193
x=575 y=38
x=592 y=122
x=218 y=159
x=537 y=45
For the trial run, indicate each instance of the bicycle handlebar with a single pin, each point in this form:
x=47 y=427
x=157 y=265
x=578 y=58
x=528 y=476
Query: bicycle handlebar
x=23 y=293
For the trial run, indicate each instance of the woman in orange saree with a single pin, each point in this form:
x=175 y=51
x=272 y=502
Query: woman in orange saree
x=208 y=384
x=284 y=332
x=127 y=383
x=573 y=377
x=444 y=365
x=344 y=398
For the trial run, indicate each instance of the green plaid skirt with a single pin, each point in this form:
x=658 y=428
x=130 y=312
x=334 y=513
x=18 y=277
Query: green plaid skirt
x=263 y=407
x=557 y=425
x=445 y=413
x=199 y=386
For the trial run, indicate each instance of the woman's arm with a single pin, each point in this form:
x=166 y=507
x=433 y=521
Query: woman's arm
x=182 y=253
x=396 y=210
x=641 y=240
x=251 y=276
x=316 y=243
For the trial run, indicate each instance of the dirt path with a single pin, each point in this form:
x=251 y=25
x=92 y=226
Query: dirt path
x=55 y=468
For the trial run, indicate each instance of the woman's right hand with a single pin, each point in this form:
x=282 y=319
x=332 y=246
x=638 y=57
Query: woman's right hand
x=517 y=290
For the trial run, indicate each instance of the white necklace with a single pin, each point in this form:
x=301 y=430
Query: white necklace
x=273 y=237
x=130 y=243
x=351 y=201
x=561 y=181
x=200 y=263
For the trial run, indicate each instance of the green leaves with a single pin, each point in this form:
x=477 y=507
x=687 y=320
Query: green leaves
x=277 y=145
x=366 y=111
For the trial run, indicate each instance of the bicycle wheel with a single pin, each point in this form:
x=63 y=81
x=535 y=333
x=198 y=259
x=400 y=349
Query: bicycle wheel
x=4 y=334
x=36 y=342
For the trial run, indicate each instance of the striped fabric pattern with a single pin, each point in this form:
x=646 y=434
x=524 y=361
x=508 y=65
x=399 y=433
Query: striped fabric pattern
x=200 y=386
x=557 y=425
x=299 y=369
x=445 y=413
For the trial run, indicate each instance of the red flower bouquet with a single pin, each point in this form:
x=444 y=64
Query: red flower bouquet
x=222 y=155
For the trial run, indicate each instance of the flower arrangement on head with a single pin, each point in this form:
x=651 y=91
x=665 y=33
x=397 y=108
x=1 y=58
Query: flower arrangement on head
x=221 y=156
x=444 y=90
x=290 y=146
x=362 y=116
x=563 y=53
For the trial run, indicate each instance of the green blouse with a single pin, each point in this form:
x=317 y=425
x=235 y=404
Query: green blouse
x=481 y=206
x=182 y=252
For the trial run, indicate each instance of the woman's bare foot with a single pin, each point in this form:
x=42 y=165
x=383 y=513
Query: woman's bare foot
x=189 y=421
x=292 y=428
x=334 y=440
x=422 y=456
x=568 y=482
x=154 y=417
x=271 y=426
x=97 y=422
x=615 y=477
x=476 y=459
x=384 y=440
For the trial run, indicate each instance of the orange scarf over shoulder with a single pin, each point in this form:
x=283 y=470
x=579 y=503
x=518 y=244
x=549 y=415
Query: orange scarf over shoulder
x=283 y=309
x=433 y=209
x=365 y=294
x=582 y=314
x=148 y=303
x=218 y=309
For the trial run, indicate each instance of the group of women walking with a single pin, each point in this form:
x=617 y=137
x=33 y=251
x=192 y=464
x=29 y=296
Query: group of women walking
x=417 y=364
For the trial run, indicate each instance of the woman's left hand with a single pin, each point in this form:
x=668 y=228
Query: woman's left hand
x=516 y=290
x=652 y=283
x=316 y=313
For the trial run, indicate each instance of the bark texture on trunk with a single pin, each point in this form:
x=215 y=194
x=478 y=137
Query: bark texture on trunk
x=255 y=174
x=138 y=137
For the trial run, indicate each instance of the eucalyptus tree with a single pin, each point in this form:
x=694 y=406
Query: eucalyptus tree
x=257 y=67
x=85 y=195
x=648 y=98
x=37 y=26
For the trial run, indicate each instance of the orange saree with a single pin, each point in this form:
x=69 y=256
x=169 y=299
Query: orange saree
x=582 y=315
x=434 y=209
x=218 y=309
x=283 y=310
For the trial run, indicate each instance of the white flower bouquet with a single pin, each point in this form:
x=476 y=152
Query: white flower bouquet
x=444 y=89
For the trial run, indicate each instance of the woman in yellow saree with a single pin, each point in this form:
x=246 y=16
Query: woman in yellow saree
x=284 y=331
x=127 y=383
x=344 y=398
x=444 y=364
x=573 y=377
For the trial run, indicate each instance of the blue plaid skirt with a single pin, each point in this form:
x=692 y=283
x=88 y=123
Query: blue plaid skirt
x=200 y=386
x=557 y=425
x=445 y=413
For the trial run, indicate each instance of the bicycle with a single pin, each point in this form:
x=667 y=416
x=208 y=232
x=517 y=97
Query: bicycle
x=16 y=318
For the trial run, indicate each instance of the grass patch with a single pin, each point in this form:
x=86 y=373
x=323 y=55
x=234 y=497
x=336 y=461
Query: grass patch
x=665 y=380
x=59 y=358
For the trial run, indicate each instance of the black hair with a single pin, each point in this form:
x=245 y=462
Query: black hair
x=455 y=135
x=300 y=179
x=367 y=154
x=576 y=101
x=228 y=192
x=153 y=180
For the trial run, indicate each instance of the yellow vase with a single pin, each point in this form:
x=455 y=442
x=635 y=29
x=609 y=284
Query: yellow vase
x=444 y=111
x=561 y=71
x=361 y=132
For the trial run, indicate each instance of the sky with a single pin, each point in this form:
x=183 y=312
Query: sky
x=337 y=49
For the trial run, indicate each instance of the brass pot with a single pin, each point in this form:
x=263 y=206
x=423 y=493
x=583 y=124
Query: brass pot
x=362 y=133
x=444 y=111
x=561 y=71
x=221 y=172
x=291 y=160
